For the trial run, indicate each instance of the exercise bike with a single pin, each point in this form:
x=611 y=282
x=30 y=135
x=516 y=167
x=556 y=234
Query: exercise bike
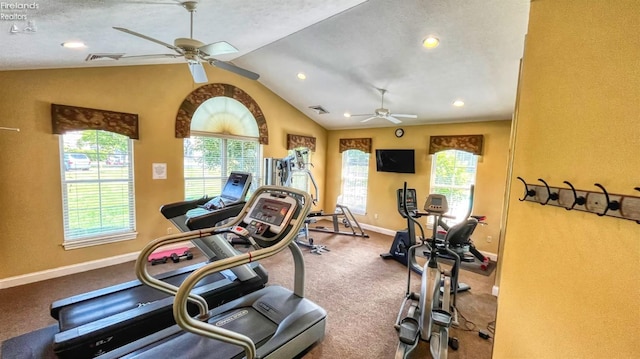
x=431 y=312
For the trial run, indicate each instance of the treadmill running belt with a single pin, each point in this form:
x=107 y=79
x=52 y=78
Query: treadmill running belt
x=118 y=302
x=245 y=320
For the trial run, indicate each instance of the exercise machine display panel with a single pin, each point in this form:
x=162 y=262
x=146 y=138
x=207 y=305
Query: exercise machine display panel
x=269 y=217
x=436 y=204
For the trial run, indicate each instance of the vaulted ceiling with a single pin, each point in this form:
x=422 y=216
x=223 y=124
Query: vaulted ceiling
x=348 y=49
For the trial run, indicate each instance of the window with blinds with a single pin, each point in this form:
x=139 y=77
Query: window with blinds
x=97 y=188
x=355 y=176
x=452 y=174
x=209 y=160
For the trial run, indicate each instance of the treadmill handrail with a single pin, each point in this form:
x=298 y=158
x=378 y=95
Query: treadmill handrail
x=203 y=328
x=141 y=263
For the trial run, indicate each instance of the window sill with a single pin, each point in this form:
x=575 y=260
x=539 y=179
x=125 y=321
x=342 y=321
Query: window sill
x=89 y=242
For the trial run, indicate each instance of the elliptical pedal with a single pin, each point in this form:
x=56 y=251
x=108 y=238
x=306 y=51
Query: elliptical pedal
x=409 y=329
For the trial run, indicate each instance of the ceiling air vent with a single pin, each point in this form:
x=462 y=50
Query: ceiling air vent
x=319 y=110
x=92 y=57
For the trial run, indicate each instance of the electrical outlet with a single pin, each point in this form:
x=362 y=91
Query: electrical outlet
x=375 y=216
x=169 y=230
x=489 y=239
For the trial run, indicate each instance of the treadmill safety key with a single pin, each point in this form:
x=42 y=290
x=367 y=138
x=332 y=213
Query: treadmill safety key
x=244 y=234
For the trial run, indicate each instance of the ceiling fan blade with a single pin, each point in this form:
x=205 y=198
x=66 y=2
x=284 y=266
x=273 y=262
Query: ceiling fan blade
x=197 y=71
x=176 y=49
x=151 y=56
x=403 y=115
x=172 y=2
x=233 y=68
x=369 y=119
x=362 y=114
x=393 y=119
x=217 y=48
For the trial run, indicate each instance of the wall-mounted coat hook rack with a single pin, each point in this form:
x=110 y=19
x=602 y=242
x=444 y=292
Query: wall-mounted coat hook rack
x=599 y=202
x=550 y=196
x=527 y=192
x=577 y=200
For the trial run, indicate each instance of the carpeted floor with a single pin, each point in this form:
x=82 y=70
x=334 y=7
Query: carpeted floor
x=361 y=293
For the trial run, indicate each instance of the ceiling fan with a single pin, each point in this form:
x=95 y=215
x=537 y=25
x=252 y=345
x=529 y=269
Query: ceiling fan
x=384 y=112
x=191 y=49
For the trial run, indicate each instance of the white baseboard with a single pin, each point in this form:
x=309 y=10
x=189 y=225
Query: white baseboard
x=495 y=290
x=66 y=270
x=380 y=230
x=77 y=268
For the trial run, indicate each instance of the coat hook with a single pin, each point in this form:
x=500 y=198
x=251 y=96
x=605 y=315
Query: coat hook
x=576 y=200
x=528 y=192
x=550 y=196
x=611 y=205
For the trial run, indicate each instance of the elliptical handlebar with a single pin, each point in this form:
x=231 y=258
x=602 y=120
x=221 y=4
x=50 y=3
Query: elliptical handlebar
x=410 y=219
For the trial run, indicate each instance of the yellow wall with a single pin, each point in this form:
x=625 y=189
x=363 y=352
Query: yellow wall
x=569 y=284
x=31 y=221
x=490 y=179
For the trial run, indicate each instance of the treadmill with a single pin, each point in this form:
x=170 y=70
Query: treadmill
x=96 y=322
x=273 y=322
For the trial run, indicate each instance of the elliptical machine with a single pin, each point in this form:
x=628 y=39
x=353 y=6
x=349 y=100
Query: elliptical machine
x=431 y=312
x=404 y=239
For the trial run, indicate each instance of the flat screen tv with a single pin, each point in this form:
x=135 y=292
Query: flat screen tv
x=399 y=161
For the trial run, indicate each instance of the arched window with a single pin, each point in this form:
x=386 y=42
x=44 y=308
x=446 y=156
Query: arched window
x=224 y=138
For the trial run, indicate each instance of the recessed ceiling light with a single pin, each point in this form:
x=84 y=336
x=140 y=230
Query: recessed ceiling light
x=347 y=114
x=430 y=42
x=73 y=44
x=301 y=76
x=458 y=103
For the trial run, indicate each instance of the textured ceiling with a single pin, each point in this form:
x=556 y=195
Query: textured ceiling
x=347 y=49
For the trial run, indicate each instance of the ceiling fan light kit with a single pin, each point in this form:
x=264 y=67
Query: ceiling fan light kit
x=194 y=51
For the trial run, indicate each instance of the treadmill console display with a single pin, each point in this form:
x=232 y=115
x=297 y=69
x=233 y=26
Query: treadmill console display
x=236 y=187
x=270 y=211
x=269 y=216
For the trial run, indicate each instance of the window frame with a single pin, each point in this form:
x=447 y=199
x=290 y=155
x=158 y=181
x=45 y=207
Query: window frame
x=256 y=178
x=457 y=208
x=101 y=236
x=359 y=204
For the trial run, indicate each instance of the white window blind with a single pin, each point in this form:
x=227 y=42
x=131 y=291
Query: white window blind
x=97 y=188
x=355 y=176
x=452 y=174
x=209 y=160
